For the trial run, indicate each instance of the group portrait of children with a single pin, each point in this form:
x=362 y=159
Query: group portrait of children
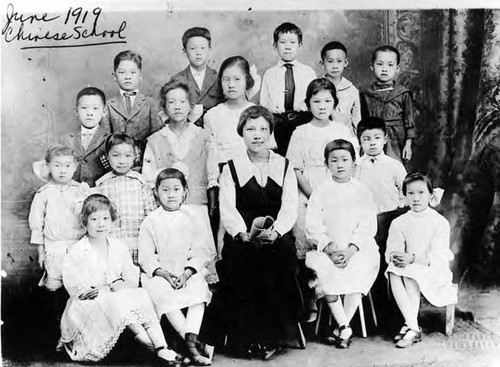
x=232 y=220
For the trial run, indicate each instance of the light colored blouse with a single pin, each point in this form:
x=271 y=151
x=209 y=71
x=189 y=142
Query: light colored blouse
x=425 y=234
x=54 y=212
x=384 y=177
x=343 y=213
x=194 y=149
x=245 y=170
x=221 y=122
x=83 y=267
x=173 y=240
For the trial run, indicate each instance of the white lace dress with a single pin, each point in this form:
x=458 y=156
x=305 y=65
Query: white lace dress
x=90 y=328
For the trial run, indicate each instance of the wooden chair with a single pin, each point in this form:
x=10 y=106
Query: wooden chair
x=361 y=315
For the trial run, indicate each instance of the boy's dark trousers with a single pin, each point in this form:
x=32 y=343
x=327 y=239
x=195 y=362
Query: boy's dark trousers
x=285 y=124
x=385 y=305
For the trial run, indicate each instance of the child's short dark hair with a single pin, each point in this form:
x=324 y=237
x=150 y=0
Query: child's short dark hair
x=243 y=64
x=316 y=86
x=417 y=176
x=171 y=173
x=196 y=32
x=286 y=28
x=58 y=150
x=254 y=112
x=116 y=139
x=171 y=85
x=371 y=123
x=339 y=144
x=334 y=45
x=386 y=48
x=91 y=91
x=127 y=55
x=94 y=203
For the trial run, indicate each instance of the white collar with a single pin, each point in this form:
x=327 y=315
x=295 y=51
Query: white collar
x=246 y=169
x=195 y=72
x=282 y=63
x=376 y=158
x=188 y=134
x=131 y=174
x=85 y=131
x=129 y=91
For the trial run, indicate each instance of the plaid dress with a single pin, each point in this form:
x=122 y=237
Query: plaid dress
x=133 y=199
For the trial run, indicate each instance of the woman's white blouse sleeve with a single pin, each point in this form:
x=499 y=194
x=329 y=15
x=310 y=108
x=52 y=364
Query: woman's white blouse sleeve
x=231 y=218
x=287 y=215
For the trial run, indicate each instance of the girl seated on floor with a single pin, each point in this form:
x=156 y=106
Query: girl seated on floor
x=101 y=280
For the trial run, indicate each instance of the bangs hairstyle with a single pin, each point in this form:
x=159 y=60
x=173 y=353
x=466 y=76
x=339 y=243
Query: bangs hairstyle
x=171 y=173
x=196 y=32
x=286 y=28
x=417 y=176
x=386 y=48
x=116 y=139
x=94 y=203
x=171 y=85
x=254 y=112
x=334 y=45
x=371 y=123
x=316 y=86
x=91 y=91
x=339 y=144
x=127 y=55
x=58 y=150
x=244 y=66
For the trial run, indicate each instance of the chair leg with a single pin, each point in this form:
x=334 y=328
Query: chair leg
x=362 y=317
x=375 y=322
x=302 y=338
x=450 y=319
x=318 y=319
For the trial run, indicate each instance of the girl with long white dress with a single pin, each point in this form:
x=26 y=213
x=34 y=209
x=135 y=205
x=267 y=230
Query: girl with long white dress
x=418 y=253
x=173 y=255
x=341 y=221
x=100 y=277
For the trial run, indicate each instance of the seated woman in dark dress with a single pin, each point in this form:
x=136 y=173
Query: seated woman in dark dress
x=258 y=304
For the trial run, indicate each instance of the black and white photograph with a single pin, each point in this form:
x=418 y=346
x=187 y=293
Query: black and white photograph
x=222 y=183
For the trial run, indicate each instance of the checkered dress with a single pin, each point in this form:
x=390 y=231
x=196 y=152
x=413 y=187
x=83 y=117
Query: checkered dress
x=133 y=200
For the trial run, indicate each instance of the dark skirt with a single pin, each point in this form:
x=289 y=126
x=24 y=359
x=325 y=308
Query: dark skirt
x=259 y=299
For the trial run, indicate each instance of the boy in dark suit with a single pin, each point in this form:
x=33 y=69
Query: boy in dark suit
x=201 y=79
x=88 y=139
x=131 y=112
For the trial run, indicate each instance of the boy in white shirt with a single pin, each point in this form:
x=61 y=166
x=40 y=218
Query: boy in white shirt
x=384 y=177
x=284 y=86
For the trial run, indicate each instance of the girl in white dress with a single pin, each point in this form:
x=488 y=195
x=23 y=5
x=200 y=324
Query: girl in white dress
x=341 y=221
x=418 y=253
x=100 y=277
x=221 y=120
x=173 y=255
x=306 y=149
x=181 y=143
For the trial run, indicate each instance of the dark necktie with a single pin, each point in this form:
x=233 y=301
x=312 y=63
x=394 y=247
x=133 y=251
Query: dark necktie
x=128 y=101
x=373 y=160
x=289 y=87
